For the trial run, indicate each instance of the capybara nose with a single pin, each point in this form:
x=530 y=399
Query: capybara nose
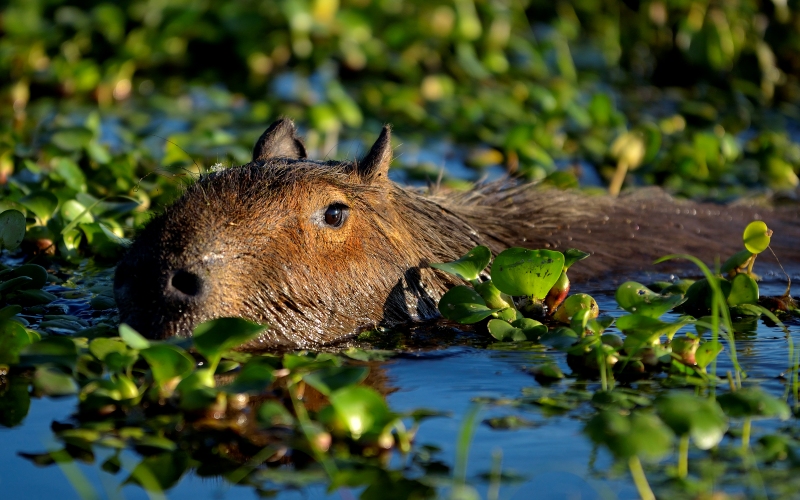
x=185 y=286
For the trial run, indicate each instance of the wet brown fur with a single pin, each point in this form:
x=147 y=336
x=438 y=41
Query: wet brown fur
x=254 y=237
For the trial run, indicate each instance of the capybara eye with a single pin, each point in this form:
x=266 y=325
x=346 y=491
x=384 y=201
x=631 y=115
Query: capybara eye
x=336 y=214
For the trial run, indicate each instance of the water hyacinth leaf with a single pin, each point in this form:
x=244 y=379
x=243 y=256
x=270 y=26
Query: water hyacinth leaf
x=561 y=338
x=272 y=413
x=756 y=236
x=640 y=324
x=504 y=332
x=744 y=290
x=13 y=338
x=214 y=337
x=753 y=402
x=637 y=298
x=519 y=271
x=51 y=381
x=334 y=378
x=573 y=255
x=73 y=213
x=72 y=138
x=701 y=418
x=102 y=347
x=465 y=305
x=167 y=362
x=361 y=409
x=575 y=304
x=197 y=390
x=134 y=339
x=580 y=319
x=36 y=273
x=547 y=371
x=15 y=401
x=493 y=297
x=637 y=435
x=736 y=261
x=160 y=472
x=533 y=329
x=70 y=172
x=12 y=229
x=9 y=312
x=677 y=288
x=41 y=203
x=469 y=266
x=14 y=283
x=700 y=294
x=254 y=377
x=59 y=351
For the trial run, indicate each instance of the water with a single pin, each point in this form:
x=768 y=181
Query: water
x=553 y=459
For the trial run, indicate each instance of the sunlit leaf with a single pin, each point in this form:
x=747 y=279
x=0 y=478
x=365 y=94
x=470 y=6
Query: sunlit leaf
x=468 y=267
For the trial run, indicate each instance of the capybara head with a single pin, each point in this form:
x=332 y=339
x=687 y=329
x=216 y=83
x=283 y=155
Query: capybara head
x=313 y=249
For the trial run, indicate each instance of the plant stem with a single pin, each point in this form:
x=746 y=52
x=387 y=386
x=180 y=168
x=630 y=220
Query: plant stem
x=639 y=479
x=683 y=457
x=746 y=434
x=463 y=444
x=494 y=478
x=615 y=186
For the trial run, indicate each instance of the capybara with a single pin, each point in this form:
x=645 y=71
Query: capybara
x=322 y=249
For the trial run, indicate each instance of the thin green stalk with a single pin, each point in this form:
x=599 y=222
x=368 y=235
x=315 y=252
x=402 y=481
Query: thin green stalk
x=305 y=424
x=639 y=479
x=746 y=434
x=601 y=362
x=683 y=457
x=494 y=477
x=83 y=488
x=720 y=310
x=462 y=448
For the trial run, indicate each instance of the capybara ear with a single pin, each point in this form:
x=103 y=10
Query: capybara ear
x=375 y=165
x=279 y=141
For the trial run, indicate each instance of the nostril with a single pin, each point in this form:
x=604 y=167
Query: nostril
x=188 y=284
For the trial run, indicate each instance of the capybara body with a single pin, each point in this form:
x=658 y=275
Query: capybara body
x=320 y=250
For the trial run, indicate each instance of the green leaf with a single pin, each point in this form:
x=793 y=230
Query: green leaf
x=579 y=307
x=133 y=338
x=51 y=381
x=503 y=331
x=12 y=229
x=561 y=338
x=254 y=377
x=159 y=473
x=637 y=324
x=637 y=298
x=214 y=337
x=519 y=271
x=701 y=418
x=753 y=402
x=41 y=203
x=573 y=255
x=756 y=236
x=736 y=261
x=59 y=351
x=36 y=273
x=361 y=409
x=13 y=338
x=273 y=413
x=465 y=305
x=167 y=362
x=744 y=290
x=639 y=434
x=72 y=138
x=15 y=401
x=469 y=266
x=333 y=378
